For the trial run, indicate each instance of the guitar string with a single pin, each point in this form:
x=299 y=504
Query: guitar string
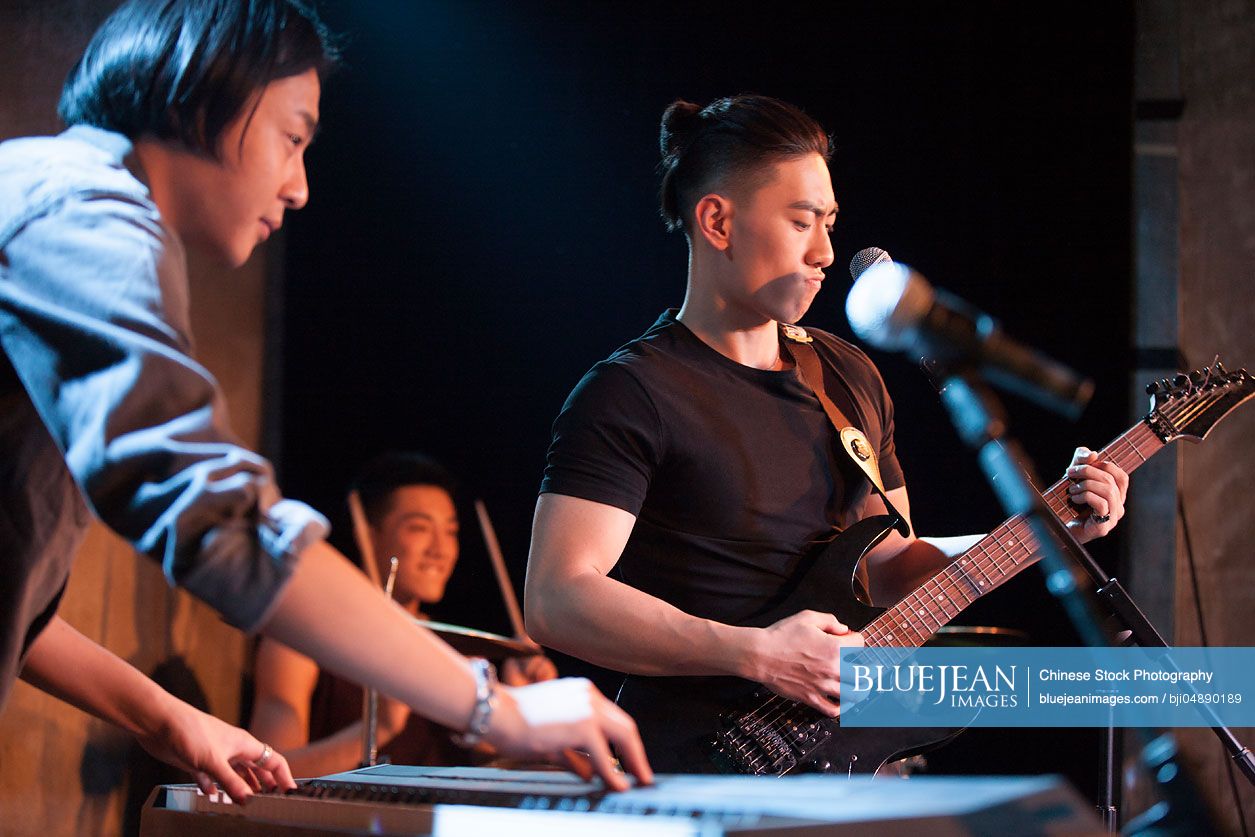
x=1192 y=411
x=1183 y=410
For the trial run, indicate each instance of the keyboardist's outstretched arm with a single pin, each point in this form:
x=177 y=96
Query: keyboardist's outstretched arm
x=68 y=665
x=331 y=613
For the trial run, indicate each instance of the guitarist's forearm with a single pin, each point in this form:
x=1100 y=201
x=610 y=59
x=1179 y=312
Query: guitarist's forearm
x=610 y=624
x=955 y=546
x=896 y=572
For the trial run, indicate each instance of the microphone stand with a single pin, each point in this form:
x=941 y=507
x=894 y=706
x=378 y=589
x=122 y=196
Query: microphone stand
x=370 y=698
x=980 y=420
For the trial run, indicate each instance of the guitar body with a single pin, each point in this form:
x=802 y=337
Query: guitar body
x=730 y=725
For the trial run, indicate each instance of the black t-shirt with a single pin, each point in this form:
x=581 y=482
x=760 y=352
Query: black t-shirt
x=730 y=471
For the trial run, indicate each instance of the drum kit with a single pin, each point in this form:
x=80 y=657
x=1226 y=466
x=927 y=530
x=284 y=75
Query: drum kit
x=473 y=643
x=975 y=636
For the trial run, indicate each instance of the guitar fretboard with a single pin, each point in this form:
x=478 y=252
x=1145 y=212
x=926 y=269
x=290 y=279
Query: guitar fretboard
x=994 y=559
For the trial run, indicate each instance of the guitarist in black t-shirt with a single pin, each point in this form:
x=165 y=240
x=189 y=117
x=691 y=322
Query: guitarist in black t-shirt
x=691 y=472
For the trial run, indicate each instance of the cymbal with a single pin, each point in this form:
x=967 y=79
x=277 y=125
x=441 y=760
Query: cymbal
x=965 y=635
x=475 y=643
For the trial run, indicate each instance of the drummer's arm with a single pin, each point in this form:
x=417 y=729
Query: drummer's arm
x=523 y=671
x=285 y=682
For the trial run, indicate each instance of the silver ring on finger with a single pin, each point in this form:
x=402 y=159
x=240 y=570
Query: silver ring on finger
x=266 y=753
x=1100 y=518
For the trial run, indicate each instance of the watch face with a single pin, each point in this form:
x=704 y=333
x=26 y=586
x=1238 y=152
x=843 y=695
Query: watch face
x=485 y=701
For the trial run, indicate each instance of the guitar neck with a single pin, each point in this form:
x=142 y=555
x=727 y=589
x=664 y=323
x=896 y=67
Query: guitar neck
x=994 y=559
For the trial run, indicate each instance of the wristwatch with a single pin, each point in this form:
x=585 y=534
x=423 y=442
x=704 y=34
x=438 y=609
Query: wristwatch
x=485 y=702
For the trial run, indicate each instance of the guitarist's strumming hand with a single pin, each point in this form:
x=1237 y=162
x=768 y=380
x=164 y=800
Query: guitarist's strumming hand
x=1100 y=485
x=800 y=658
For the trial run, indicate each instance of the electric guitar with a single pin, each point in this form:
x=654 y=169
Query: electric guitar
x=736 y=726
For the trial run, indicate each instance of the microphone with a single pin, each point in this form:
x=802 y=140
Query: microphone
x=894 y=308
x=865 y=258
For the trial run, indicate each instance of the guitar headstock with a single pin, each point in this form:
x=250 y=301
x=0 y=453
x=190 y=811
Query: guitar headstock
x=1189 y=406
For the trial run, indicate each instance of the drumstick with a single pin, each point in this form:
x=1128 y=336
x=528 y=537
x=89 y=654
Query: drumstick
x=503 y=576
x=361 y=533
x=370 y=697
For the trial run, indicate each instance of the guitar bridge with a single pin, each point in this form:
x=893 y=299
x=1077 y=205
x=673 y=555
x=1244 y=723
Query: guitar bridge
x=772 y=739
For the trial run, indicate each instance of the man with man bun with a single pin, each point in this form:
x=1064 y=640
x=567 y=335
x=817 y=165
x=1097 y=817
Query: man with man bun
x=690 y=471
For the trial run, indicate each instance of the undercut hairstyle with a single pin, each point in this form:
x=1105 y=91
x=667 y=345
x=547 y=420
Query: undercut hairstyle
x=182 y=70
x=738 y=137
x=383 y=475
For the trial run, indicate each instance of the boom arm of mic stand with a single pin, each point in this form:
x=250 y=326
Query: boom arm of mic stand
x=370 y=696
x=979 y=418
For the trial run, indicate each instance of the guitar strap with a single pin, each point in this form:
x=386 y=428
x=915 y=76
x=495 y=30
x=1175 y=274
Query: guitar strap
x=854 y=443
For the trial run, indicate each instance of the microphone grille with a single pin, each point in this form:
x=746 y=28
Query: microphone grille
x=865 y=258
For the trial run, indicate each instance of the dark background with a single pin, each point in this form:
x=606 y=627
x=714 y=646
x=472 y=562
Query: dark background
x=483 y=228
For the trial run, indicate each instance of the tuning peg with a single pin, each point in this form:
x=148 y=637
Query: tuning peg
x=1154 y=388
x=1180 y=380
x=1199 y=376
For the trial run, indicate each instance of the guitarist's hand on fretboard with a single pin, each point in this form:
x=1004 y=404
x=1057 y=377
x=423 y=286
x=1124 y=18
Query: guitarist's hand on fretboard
x=800 y=658
x=1099 y=488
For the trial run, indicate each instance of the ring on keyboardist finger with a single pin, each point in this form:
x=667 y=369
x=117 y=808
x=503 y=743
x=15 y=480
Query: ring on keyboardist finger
x=266 y=753
x=1100 y=518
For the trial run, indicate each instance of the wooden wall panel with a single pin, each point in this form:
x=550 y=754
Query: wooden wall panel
x=62 y=772
x=1217 y=481
x=1196 y=178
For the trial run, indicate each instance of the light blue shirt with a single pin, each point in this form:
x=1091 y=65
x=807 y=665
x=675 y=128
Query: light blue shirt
x=103 y=409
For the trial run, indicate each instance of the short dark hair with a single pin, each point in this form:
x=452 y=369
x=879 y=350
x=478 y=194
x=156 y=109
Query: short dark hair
x=384 y=474
x=182 y=70
x=734 y=136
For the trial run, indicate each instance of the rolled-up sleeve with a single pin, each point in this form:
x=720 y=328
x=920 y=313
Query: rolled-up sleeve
x=93 y=317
